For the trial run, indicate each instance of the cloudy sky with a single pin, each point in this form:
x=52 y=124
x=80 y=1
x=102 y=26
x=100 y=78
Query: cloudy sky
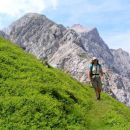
x=111 y=17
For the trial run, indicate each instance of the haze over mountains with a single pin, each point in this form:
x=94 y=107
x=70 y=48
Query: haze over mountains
x=71 y=49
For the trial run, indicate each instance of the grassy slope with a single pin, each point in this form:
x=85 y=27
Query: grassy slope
x=34 y=97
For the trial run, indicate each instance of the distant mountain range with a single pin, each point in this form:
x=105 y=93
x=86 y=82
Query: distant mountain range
x=71 y=50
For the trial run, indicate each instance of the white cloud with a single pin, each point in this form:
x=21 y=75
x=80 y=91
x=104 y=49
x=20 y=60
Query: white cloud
x=54 y=3
x=19 y=7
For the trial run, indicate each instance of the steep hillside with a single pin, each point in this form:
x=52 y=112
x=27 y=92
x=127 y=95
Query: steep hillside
x=36 y=97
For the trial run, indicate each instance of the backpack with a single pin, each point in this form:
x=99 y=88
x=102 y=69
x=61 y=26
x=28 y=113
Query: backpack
x=91 y=68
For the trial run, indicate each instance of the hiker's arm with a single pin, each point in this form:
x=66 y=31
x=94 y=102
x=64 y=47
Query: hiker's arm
x=101 y=72
x=89 y=75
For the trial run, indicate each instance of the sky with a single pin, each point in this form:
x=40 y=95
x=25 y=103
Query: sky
x=110 y=17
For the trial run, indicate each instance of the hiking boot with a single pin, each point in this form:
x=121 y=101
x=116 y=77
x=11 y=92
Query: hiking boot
x=98 y=97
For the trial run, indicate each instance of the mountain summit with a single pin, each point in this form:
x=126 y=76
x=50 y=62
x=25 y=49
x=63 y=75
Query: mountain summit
x=79 y=28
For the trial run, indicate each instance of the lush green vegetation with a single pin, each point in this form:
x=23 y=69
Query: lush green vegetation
x=35 y=97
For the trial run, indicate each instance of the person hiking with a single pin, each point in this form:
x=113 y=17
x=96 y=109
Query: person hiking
x=95 y=74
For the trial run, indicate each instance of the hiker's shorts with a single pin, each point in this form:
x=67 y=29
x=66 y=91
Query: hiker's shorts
x=96 y=82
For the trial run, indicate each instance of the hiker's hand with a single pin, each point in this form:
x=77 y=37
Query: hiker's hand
x=89 y=81
x=102 y=78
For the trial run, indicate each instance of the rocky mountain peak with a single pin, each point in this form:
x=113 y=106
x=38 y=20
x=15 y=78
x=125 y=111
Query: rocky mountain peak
x=35 y=32
x=95 y=46
x=94 y=31
x=121 y=51
x=122 y=61
x=28 y=21
x=34 y=15
x=79 y=28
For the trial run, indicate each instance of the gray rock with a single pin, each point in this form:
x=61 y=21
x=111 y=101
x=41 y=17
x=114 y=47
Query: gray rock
x=4 y=35
x=122 y=62
x=95 y=46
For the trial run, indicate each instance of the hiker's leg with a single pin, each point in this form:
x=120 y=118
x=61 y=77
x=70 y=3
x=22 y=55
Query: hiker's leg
x=97 y=93
x=99 y=90
x=95 y=84
x=99 y=86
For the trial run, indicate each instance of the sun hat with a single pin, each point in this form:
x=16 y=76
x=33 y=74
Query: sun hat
x=94 y=58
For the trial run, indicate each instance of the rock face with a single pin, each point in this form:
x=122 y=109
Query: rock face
x=95 y=46
x=122 y=68
x=2 y=34
x=122 y=61
x=71 y=50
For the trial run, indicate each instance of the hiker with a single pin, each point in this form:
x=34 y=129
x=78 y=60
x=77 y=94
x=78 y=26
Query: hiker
x=94 y=75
